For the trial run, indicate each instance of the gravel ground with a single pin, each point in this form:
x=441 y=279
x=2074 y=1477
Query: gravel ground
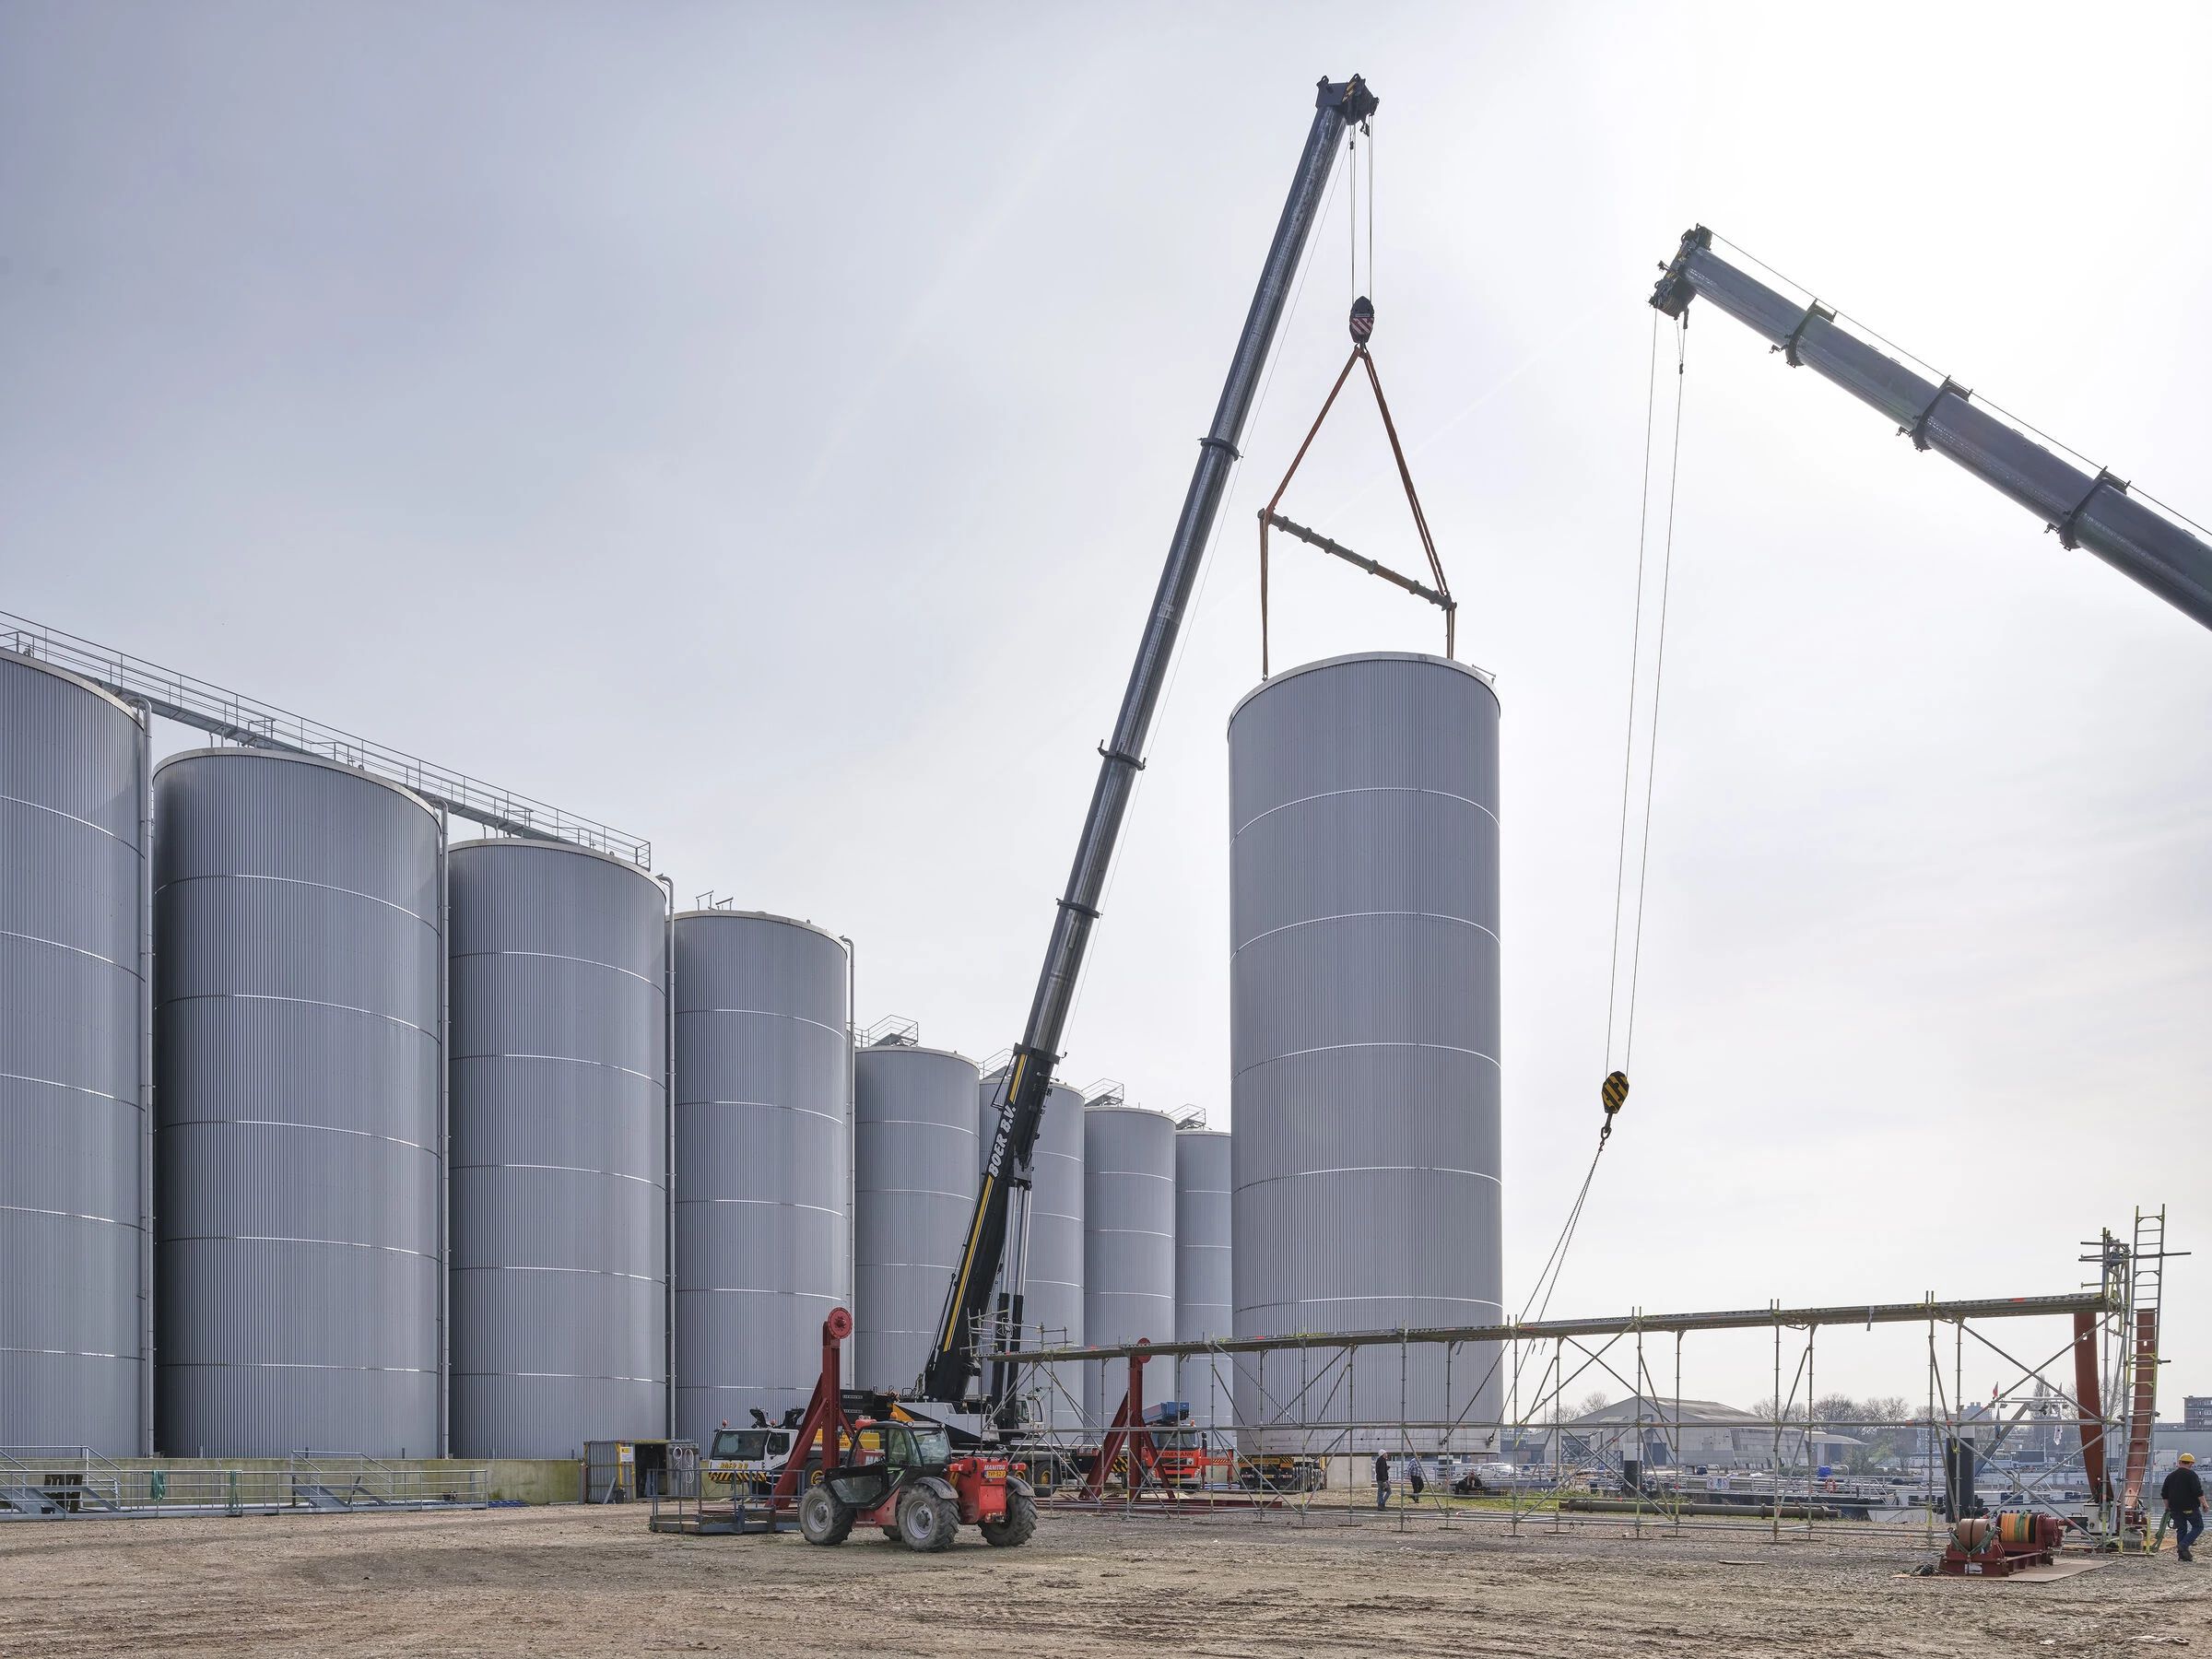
x=572 y=1580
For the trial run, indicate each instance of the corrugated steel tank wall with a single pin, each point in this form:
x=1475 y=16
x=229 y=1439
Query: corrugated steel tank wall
x=1364 y=1014
x=914 y=1160
x=559 y=1204
x=1128 y=1244
x=1051 y=1312
x=763 y=1056
x=1204 y=1303
x=297 y=980
x=72 y=1129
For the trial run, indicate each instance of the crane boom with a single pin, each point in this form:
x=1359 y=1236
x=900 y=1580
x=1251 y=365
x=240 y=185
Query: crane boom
x=2093 y=512
x=1029 y=1073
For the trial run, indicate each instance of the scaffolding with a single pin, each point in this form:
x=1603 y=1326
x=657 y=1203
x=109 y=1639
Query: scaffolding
x=1307 y=1410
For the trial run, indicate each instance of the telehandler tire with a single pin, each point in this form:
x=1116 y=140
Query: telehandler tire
x=926 y=1523
x=822 y=1519
x=1018 y=1526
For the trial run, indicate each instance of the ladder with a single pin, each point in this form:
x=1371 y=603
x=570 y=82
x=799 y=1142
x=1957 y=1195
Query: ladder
x=2146 y=1272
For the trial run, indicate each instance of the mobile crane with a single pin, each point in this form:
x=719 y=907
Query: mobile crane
x=945 y=1389
x=2093 y=512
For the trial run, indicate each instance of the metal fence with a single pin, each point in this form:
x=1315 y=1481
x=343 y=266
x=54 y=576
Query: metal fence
x=61 y=1482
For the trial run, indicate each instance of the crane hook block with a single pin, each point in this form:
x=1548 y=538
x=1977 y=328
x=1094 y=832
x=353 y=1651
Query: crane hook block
x=1614 y=1091
x=1363 y=320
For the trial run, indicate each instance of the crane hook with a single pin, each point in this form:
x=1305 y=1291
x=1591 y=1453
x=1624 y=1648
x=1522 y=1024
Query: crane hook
x=1613 y=1092
x=1363 y=320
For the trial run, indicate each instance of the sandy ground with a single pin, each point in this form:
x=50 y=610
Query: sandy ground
x=570 y=1581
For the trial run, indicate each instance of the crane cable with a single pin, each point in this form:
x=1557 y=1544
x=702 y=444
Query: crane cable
x=1614 y=1092
x=1615 y=1013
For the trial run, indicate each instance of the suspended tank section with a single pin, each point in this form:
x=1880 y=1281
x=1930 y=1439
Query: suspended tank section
x=1364 y=1025
x=914 y=1182
x=1203 y=1300
x=560 y=1133
x=296 y=985
x=762 y=1075
x=1051 y=1314
x=73 y=1346
x=1128 y=1241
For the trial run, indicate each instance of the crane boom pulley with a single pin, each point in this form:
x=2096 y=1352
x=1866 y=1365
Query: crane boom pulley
x=2093 y=511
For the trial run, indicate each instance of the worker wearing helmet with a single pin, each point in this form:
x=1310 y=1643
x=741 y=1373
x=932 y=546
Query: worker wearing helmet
x=2184 y=1495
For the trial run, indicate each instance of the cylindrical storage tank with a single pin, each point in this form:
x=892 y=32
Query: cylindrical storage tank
x=913 y=1191
x=1364 y=1029
x=297 y=1044
x=1051 y=1309
x=1129 y=1247
x=763 y=1065
x=72 y=1010
x=1204 y=1302
x=560 y=1133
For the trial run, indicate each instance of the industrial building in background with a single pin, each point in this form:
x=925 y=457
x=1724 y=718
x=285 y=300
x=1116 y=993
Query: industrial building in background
x=1364 y=1011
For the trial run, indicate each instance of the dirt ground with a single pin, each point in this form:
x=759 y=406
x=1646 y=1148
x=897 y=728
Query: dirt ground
x=572 y=1581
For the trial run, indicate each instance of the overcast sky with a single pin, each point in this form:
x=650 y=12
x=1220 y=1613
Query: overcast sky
x=761 y=430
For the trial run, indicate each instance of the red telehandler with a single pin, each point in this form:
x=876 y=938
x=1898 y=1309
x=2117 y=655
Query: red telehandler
x=896 y=1475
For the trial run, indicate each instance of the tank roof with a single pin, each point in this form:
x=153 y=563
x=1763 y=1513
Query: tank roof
x=232 y=751
x=690 y=915
x=1138 y=1111
x=78 y=680
x=910 y=1047
x=1488 y=680
x=553 y=846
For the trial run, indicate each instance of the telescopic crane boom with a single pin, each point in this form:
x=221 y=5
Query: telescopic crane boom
x=1029 y=1076
x=2093 y=512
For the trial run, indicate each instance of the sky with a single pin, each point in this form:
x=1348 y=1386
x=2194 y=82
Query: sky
x=760 y=429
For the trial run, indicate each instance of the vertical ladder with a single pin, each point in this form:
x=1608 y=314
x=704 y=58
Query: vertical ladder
x=2146 y=1272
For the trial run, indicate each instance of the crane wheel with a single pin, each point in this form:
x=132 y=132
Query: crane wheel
x=822 y=1519
x=926 y=1523
x=1018 y=1529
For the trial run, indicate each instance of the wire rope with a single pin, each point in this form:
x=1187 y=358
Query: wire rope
x=1667 y=571
x=1351 y=222
x=1547 y=1276
x=1628 y=755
